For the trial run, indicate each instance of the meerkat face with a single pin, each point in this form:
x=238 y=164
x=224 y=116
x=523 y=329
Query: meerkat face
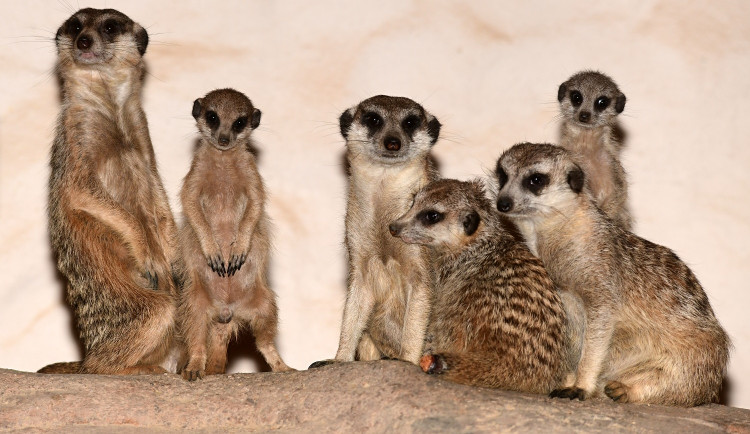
x=100 y=36
x=535 y=180
x=590 y=99
x=389 y=130
x=225 y=117
x=446 y=214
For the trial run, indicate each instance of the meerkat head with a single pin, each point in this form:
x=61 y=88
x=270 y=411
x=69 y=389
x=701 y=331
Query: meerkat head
x=446 y=215
x=590 y=99
x=536 y=180
x=389 y=130
x=225 y=118
x=92 y=37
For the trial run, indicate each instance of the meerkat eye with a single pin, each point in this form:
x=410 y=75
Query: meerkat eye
x=576 y=98
x=111 y=27
x=212 y=119
x=372 y=120
x=430 y=217
x=601 y=103
x=411 y=123
x=75 y=26
x=536 y=182
x=239 y=124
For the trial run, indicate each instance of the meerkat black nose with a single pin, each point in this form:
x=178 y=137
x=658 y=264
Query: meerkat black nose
x=504 y=204
x=584 y=116
x=392 y=143
x=394 y=229
x=223 y=139
x=84 y=42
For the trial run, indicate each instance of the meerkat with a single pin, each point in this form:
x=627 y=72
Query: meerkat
x=650 y=335
x=589 y=104
x=388 y=142
x=225 y=239
x=110 y=223
x=497 y=320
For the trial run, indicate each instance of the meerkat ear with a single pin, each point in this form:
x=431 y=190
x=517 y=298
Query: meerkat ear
x=575 y=179
x=433 y=129
x=197 y=108
x=620 y=103
x=561 y=91
x=345 y=121
x=471 y=223
x=255 y=119
x=141 y=38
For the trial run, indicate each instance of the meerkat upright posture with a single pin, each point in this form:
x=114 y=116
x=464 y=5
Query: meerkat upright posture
x=497 y=320
x=110 y=223
x=388 y=141
x=650 y=334
x=225 y=239
x=589 y=104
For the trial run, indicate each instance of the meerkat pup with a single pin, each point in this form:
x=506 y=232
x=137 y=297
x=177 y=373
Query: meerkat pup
x=589 y=104
x=110 y=224
x=388 y=142
x=497 y=320
x=650 y=334
x=225 y=239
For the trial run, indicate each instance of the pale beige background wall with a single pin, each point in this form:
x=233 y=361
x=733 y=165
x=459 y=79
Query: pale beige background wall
x=488 y=70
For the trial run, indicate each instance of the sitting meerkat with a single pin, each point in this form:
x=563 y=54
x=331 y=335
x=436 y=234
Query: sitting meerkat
x=497 y=320
x=589 y=104
x=650 y=335
x=225 y=239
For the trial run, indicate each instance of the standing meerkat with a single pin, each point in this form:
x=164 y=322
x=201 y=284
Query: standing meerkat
x=388 y=142
x=110 y=224
x=225 y=239
x=497 y=320
x=589 y=104
x=650 y=334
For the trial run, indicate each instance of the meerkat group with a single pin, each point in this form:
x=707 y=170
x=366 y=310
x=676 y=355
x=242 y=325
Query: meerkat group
x=578 y=307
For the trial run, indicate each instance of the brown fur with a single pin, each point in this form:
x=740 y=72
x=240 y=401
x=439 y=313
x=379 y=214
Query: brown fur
x=594 y=141
x=650 y=334
x=225 y=239
x=109 y=218
x=388 y=141
x=497 y=320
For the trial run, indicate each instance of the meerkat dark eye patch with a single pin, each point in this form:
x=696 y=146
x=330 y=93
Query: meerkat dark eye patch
x=576 y=98
x=471 y=223
x=112 y=27
x=601 y=103
x=239 y=124
x=74 y=27
x=372 y=121
x=430 y=217
x=536 y=182
x=502 y=177
x=212 y=119
x=410 y=124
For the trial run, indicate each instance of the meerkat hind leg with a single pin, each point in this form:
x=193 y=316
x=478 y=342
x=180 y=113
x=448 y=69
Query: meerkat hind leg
x=264 y=324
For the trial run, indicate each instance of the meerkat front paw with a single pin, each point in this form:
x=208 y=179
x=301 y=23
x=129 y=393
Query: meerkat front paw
x=216 y=262
x=569 y=392
x=617 y=391
x=433 y=364
x=235 y=263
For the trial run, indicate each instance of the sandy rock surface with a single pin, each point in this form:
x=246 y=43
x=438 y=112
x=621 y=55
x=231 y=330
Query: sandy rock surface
x=385 y=396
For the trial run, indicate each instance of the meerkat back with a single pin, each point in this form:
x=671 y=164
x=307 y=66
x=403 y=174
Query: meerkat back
x=589 y=105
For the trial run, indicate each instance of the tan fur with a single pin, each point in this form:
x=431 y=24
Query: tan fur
x=650 y=334
x=497 y=320
x=594 y=141
x=109 y=218
x=225 y=240
x=388 y=142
